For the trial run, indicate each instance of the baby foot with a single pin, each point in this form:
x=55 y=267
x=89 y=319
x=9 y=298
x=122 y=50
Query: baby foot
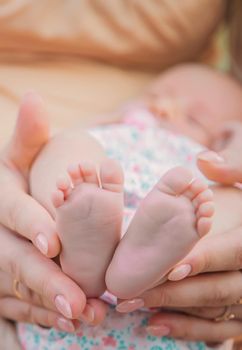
x=89 y=219
x=170 y=220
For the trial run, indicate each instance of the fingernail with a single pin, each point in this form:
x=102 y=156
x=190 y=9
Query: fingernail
x=65 y=325
x=211 y=157
x=158 y=331
x=42 y=243
x=88 y=314
x=130 y=305
x=180 y=272
x=63 y=306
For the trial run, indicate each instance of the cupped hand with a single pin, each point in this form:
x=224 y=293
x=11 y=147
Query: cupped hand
x=19 y=303
x=18 y=210
x=201 y=297
x=27 y=306
x=22 y=219
x=56 y=291
x=197 y=324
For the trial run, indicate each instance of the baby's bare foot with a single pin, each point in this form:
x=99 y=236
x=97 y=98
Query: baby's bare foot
x=169 y=221
x=89 y=218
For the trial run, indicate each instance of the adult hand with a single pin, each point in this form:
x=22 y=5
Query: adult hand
x=208 y=293
x=225 y=166
x=20 y=213
x=18 y=303
x=51 y=289
x=201 y=297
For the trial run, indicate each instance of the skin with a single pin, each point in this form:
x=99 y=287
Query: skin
x=225 y=165
x=195 y=100
x=201 y=297
x=194 y=308
x=167 y=213
x=45 y=278
x=220 y=252
x=32 y=308
x=231 y=250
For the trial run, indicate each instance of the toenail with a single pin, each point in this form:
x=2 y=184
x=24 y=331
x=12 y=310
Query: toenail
x=158 y=331
x=211 y=157
x=130 y=305
x=180 y=272
x=88 y=314
x=65 y=325
x=63 y=306
x=41 y=243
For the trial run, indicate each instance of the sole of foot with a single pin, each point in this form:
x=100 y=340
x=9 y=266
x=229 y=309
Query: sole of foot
x=168 y=223
x=89 y=209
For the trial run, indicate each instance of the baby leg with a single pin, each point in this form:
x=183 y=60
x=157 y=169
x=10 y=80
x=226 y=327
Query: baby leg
x=170 y=220
x=86 y=202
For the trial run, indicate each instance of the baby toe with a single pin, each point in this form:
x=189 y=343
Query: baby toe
x=64 y=184
x=111 y=176
x=196 y=187
x=74 y=172
x=205 y=210
x=176 y=181
x=57 y=198
x=204 y=196
x=204 y=225
x=89 y=172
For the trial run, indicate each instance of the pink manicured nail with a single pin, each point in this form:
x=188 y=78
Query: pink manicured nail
x=211 y=157
x=158 y=331
x=65 y=325
x=130 y=305
x=63 y=306
x=88 y=314
x=180 y=272
x=42 y=243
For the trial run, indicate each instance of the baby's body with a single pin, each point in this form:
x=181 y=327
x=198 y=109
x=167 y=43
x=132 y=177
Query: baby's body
x=174 y=215
x=88 y=201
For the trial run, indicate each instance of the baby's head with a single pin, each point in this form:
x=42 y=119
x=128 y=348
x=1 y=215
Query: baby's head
x=195 y=100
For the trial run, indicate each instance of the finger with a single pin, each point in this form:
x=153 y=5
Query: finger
x=216 y=168
x=42 y=275
x=18 y=211
x=213 y=253
x=207 y=290
x=8 y=288
x=30 y=134
x=192 y=328
x=22 y=311
x=213 y=312
x=226 y=165
x=94 y=312
x=24 y=215
x=100 y=311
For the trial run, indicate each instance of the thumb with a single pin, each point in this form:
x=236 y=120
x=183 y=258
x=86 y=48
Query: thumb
x=30 y=134
x=213 y=253
x=226 y=165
